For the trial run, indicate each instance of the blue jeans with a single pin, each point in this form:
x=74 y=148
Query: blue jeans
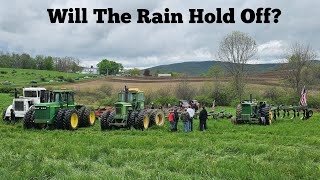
x=172 y=125
x=186 y=126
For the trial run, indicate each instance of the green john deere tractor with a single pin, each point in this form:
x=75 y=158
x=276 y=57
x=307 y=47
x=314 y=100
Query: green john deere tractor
x=59 y=113
x=252 y=112
x=129 y=112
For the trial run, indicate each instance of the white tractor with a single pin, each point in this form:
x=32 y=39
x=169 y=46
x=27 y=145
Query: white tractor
x=31 y=96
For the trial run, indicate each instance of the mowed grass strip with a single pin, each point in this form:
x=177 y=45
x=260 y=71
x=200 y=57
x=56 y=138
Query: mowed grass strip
x=288 y=149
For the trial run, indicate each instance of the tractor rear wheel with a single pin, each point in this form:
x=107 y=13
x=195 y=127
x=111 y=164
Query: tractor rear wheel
x=104 y=121
x=86 y=117
x=142 y=120
x=28 y=119
x=157 y=117
x=71 y=119
x=265 y=112
x=132 y=119
x=59 y=119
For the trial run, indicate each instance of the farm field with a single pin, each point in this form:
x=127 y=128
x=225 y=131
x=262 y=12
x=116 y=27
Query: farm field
x=288 y=149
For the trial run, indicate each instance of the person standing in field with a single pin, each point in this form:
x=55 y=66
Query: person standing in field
x=12 y=116
x=191 y=114
x=203 y=118
x=185 y=120
x=171 y=120
x=176 y=119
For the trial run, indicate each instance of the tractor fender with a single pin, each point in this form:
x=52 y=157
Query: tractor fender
x=8 y=113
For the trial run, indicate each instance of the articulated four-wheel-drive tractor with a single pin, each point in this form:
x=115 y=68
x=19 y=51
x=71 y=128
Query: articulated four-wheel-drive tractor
x=129 y=112
x=60 y=112
x=252 y=112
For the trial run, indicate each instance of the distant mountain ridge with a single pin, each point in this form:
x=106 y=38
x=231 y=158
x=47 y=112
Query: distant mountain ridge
x=196 y=68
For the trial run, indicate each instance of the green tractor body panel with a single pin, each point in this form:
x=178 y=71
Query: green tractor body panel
x=121 y=111
x=45 y=113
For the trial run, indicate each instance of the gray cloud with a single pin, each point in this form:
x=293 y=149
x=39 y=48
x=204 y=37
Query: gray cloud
x=25 y=27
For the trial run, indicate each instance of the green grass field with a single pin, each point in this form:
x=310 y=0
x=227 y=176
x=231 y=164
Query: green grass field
x=288 y=149
x=23 y=77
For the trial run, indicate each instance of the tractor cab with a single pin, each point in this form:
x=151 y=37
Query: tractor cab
x=63 y=97
x=130 y=99
x=132 y=96
x=58 y=99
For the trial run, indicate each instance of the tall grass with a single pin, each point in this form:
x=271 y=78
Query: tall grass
x=288 y=149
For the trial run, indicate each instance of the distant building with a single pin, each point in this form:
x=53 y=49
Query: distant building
x=164 y=75
x=89 y=70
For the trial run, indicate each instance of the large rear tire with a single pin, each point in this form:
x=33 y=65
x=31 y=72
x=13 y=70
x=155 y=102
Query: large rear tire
x=142 y=120
x=28 y=119
x=104 y=121
x=71 y=120
x=86 y=117
x=59 y=119
x=157 y=117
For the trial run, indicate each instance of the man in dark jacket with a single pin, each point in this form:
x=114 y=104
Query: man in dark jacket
x=203 y=118
x=185 y=120
x=176 y=119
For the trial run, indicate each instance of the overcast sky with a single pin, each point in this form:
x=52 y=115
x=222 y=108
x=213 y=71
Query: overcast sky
x=25 y=27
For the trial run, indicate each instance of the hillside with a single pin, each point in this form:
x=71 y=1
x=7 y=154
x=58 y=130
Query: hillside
x=197 y=68
x=24 y=77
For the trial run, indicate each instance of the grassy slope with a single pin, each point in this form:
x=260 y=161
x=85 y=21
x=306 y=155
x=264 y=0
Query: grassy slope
x=23 y=77
x=286 y=150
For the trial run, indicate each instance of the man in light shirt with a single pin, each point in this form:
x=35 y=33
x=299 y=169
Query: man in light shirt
x=191 y=114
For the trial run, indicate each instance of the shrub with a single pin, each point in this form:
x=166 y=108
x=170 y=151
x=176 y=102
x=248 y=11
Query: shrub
x=60 y=77
x=3 y=72
x=70 y=80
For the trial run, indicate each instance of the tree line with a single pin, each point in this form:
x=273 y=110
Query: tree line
x=40 y=62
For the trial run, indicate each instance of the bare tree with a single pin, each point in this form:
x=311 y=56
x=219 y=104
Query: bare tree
x=235 y=50
x=299 y=59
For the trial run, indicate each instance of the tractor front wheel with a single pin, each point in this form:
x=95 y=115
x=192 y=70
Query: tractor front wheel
x=71 y=119
x=104 y=121
x=59 y=119
x=265 y=112
x=4 y=115
x=132 y=119
x=28 y=119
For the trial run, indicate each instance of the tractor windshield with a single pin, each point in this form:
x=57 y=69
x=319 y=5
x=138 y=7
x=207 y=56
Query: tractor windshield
x=63 y=97
x=30 y=94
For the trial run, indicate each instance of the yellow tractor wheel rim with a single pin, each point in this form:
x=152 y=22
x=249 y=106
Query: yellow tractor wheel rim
x=74 y=120
x=159 y=119
x=270 y=117
x=92 y=117
x=145 y=121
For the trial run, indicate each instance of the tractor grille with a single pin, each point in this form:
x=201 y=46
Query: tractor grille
x=118 y=110
x=245 y=117
x=42 y=113
x=18 y=106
